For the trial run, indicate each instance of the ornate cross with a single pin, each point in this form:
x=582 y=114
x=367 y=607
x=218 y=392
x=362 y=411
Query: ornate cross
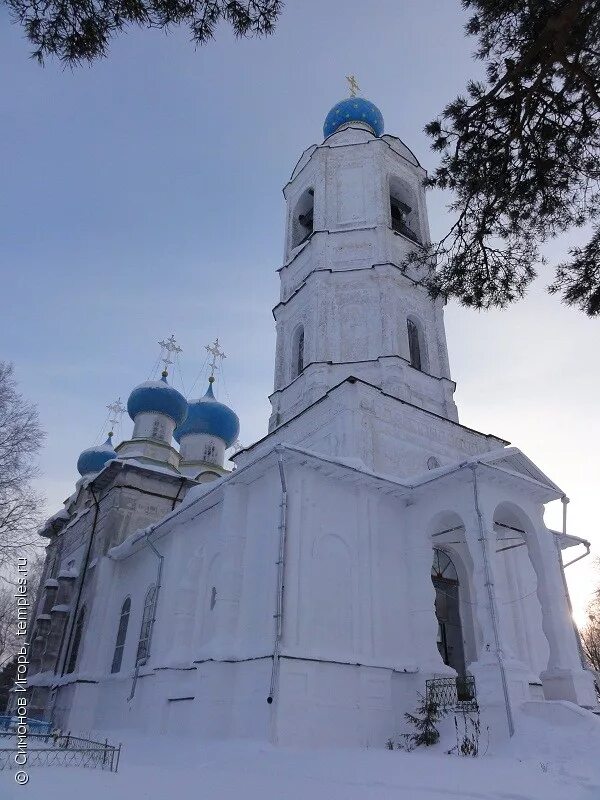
x=116 y=409
x=217 y=353
x=169 y=347
x=353 y=85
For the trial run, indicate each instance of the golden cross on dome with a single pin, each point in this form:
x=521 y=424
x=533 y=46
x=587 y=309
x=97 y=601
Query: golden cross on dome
x=353 y=85
x=217 y=353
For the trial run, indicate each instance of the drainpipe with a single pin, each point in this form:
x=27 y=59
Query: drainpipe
x=159 y=570
x=492 y=604
x=273 y=688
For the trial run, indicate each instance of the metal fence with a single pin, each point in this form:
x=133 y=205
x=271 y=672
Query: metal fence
x=8 y=723
x=60 y=750
x=453 y=693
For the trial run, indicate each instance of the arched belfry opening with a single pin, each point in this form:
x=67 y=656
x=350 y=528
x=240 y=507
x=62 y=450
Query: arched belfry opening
x=303 y=218
x=403 y=210
x=447 y=611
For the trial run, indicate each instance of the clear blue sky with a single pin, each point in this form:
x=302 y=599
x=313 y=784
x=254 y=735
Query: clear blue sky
x=142 y=196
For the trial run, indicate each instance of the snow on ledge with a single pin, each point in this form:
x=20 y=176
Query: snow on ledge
x=68 y=574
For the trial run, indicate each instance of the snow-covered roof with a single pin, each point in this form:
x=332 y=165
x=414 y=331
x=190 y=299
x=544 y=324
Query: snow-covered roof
x=566 y=540
x=509 y=458
x=503 y=459
x=152 y=467
x=68 y=573
x=54 y=523
x=513 y=460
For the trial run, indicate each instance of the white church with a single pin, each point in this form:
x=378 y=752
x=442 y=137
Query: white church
x=368 y=544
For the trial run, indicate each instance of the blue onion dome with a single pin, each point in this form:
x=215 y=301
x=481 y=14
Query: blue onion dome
x=353 y=109
x=95 y=458
x=207 y=415
x=159 y=398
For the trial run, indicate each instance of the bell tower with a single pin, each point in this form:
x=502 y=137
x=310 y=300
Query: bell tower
x=349 y=306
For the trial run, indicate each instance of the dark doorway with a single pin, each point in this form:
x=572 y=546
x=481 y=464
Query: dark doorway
x=447 y=611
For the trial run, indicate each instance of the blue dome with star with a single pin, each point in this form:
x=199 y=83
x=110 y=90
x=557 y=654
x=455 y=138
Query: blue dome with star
x=208 y=416
x=159 y=398
x=353 y=109
x=95 y=458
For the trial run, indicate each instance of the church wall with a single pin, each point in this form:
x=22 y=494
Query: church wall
x=231 y=548
x=347 y=634
x=82 y=543
x=332 y=309
x=359 y=628
x=357 y=421
x=332 y=704
x=258 y=579
x=66 y=555
x=346 y=573
x=122 y=510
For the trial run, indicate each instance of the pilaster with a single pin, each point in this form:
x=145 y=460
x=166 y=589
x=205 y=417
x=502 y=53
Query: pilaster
x=233 y=538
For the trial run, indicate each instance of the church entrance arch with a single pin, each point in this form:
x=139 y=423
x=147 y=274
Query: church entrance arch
x=447 y=610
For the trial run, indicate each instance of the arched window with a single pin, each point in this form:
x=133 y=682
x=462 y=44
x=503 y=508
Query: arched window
x=303 y=218
x=298 y=352
x=415 y=348
x=143 y=650
x=78 y=633
x=121 y=636
x=447 y=610
x=443 y=568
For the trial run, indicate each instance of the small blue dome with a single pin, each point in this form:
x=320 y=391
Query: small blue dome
x=353 y=109
x=94 y=458
x=207 y=415
x=157 y=397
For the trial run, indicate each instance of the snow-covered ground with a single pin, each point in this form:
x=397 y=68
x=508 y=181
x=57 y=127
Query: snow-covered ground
x=538 y=764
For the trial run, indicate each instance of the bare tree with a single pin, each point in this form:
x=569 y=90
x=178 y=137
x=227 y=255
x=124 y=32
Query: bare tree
x=20 y=440
x=590 y=638
x=590 y=633
x=8 y=608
